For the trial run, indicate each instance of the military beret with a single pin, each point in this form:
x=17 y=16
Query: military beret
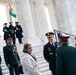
x=63 y=36
x=8 y=37
x=49 y=34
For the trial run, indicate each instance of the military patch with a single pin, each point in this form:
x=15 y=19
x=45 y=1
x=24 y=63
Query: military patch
x=15 y=50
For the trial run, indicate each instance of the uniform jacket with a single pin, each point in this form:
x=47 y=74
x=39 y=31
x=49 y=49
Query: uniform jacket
x=49 y=54
x=30 y=66
x=12 y=31
x=18 y=30
x=66 y=60
x=6 y=32
x=11 y=55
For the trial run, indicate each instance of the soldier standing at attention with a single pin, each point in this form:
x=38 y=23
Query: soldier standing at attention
x=12 y=32
x=65 y=57
x=0 y=67
x=49 y=52
x=6 y=31
x=19 y=31
x=11 y=57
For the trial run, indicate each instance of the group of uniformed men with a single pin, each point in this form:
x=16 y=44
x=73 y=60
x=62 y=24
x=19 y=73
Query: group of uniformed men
x=60 y=56
x=10 y=52
x=14 y=32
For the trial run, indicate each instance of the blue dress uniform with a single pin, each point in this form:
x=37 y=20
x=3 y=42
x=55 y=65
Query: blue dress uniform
x=6 y=31
x=19 y=31
x=49 y=55
x=0 y=67
x=65 y=58
x=12 y=32
x=12 y=58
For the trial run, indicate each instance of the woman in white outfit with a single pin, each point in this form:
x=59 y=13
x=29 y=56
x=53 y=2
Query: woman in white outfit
x=29 y=63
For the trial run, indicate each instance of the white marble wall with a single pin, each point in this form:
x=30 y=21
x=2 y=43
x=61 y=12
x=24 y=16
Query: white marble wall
x=71 y=9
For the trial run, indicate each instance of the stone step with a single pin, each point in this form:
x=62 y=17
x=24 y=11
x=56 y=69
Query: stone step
x=44 y=69
x=43 y=65
x=47 y=73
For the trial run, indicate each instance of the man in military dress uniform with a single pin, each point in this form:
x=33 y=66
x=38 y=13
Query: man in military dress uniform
x=12 y=32
x=6 y=31
x=49 y=52
x=65 y=57
x=19 y=31
x=0 y=67
x=11 y=57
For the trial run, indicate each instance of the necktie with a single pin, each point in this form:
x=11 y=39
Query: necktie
x=52 y=44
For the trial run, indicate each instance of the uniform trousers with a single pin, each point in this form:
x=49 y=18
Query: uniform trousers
x=14 y=68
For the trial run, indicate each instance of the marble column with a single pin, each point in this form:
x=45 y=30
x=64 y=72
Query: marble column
x=42 y=19
x=35 y=18
x=25 y=17
x=63 y=18
x=50 y=4
x=59 y=15
x=7 y=12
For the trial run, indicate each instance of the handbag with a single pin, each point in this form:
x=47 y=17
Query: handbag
x=21 y=70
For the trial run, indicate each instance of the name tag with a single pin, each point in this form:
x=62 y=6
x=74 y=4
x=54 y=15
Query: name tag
x=51 y=53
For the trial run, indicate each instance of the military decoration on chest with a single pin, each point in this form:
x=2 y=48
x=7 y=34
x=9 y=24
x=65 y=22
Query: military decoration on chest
x=49 y=49
x=5 y=30
x=17 y=28
x=50 y=52
x=15 y=50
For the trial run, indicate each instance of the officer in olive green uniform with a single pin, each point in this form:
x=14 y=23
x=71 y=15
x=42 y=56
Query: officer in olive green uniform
x=65 y=57
x=0 y=67
x=49 y=52
x=11 y=57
